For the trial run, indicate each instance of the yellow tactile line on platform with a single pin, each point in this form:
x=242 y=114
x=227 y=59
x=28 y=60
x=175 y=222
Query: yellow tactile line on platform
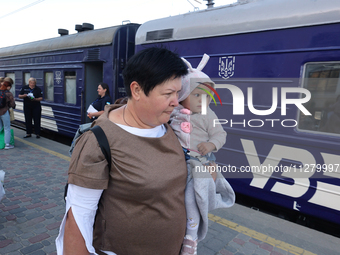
x=259 y=236
x=43 y=149
x=232 y=225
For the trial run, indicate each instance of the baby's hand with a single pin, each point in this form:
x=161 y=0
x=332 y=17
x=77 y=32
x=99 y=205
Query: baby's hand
x=206 y=147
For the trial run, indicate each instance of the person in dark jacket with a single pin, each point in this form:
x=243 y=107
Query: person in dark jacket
x=5 y=122
x=32 y=96
x=102 y=100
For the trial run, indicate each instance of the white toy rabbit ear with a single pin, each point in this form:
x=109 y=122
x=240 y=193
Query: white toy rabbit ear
x=203 y=62
x=188 y=64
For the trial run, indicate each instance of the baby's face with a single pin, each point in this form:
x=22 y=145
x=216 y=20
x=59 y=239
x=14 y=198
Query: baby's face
x=194 y=101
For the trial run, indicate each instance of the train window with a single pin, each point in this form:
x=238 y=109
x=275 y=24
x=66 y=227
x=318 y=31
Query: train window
x=12 y=75
x=27 y=76
x=323 y=82
x=70 y=88
x=49 y=86
x=159 y=34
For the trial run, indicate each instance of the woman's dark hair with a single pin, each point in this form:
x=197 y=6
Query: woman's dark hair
x=151 y=67
x=105 y=86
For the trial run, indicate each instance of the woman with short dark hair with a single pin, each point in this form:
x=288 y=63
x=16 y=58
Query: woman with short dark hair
x=137 y=207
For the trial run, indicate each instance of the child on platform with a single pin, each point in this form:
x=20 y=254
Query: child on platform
x=206 y=188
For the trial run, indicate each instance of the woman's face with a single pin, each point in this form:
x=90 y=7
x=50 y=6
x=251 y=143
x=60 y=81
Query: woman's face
x=101 y=91
x=155 y=109
x=5 y=84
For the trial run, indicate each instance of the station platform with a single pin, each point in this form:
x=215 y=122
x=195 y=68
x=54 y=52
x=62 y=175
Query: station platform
x=33 y=207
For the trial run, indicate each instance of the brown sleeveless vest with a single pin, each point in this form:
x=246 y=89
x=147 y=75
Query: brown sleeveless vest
x=142 y=209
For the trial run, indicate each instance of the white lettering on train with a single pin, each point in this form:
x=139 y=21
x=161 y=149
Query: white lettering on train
x=256 y=123
x=325 y=193
x=238 y=100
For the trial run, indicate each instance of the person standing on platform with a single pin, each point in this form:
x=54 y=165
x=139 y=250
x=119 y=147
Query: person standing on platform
x=102 y=100
x=5 y=122
x=137 y=207
x=32 y=96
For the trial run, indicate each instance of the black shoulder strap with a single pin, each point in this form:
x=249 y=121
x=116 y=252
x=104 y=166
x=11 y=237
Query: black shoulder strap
x=103 y=143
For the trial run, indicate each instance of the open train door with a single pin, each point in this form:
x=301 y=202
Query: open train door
x=93 y=76
x=124 y=49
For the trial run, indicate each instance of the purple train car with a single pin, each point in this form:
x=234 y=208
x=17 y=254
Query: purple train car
x=68 y=69
x=276 y=65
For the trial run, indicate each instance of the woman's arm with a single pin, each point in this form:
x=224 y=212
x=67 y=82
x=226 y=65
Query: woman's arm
x=73 y=237
x=94 y=114
x=76 y=230
x=11 y=101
